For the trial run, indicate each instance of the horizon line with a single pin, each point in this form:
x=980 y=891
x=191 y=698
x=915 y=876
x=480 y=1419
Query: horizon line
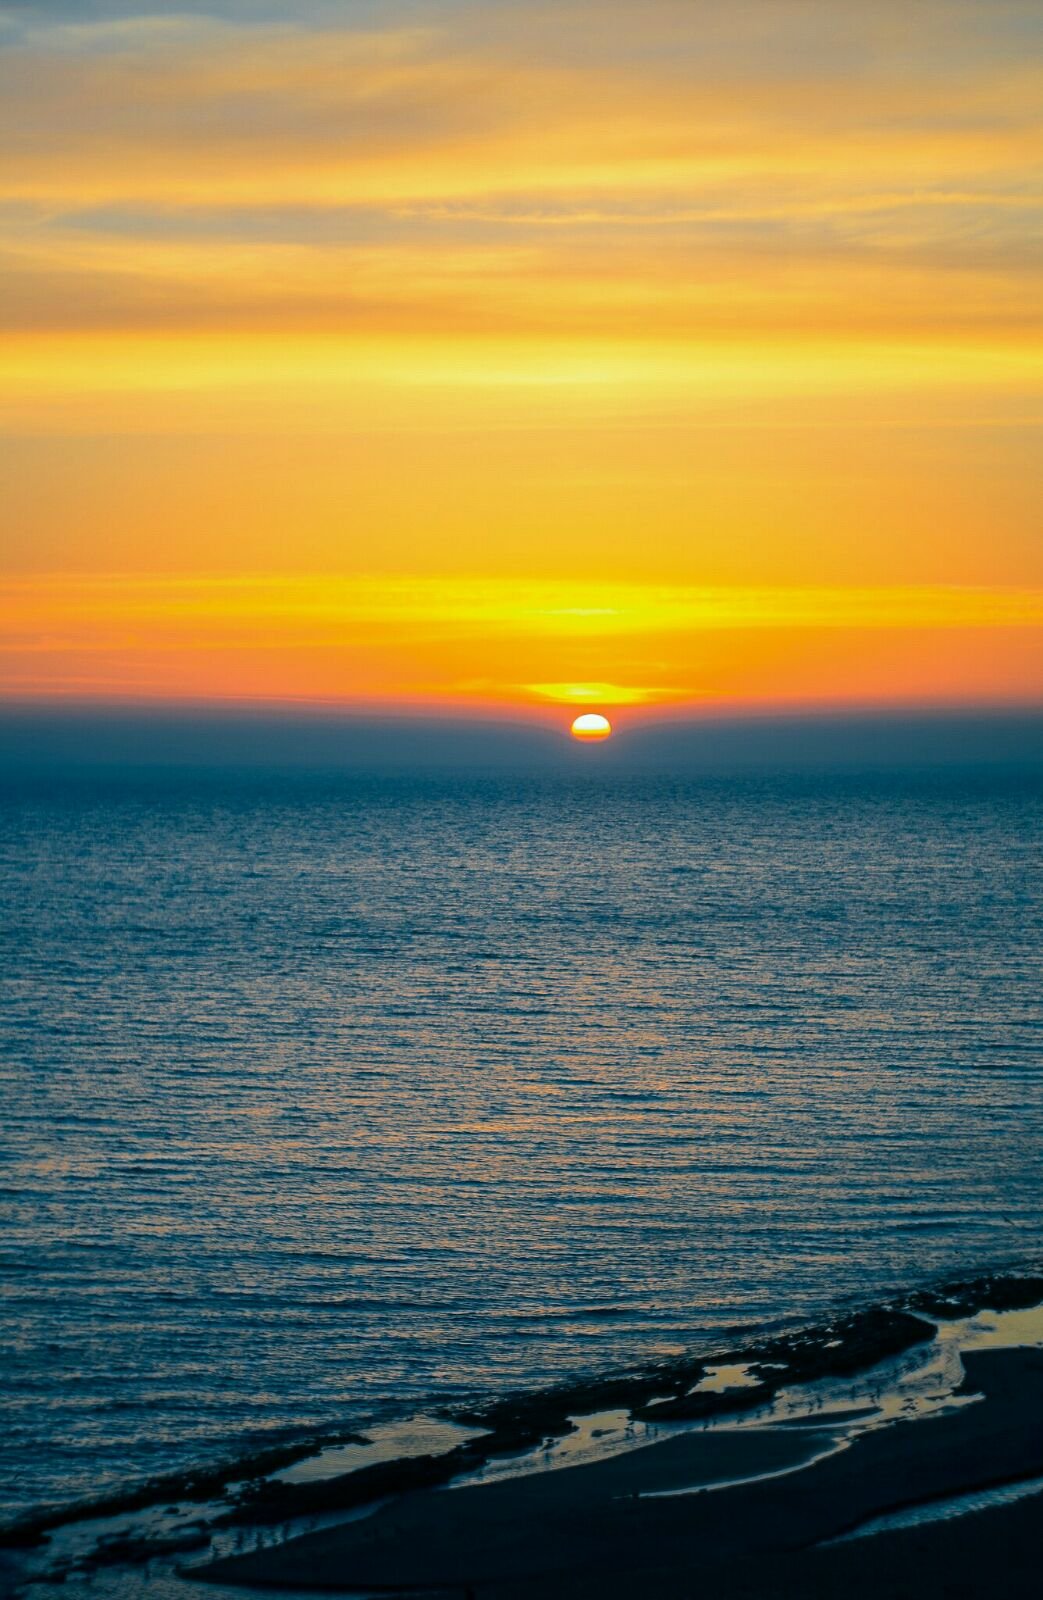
x=540 y=715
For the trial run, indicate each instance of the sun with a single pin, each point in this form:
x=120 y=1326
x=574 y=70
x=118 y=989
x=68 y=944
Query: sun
x=591 y=727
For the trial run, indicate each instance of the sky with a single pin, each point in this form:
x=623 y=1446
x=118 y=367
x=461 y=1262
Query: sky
x=522 y=358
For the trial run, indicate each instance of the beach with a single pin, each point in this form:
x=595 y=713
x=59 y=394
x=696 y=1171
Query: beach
x=609 y=1530
x=894 y=1450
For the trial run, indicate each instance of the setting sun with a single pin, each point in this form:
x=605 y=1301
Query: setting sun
x=591 y=727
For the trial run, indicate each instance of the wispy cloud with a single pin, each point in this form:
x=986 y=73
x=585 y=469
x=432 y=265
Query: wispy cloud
x=374 y=637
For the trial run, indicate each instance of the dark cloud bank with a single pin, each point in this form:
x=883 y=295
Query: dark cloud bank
x=55 y=739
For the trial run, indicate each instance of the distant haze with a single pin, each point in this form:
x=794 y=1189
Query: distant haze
x=55 y=738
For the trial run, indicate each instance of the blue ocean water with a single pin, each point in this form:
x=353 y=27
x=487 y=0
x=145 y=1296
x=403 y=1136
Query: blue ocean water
x=326 y=1095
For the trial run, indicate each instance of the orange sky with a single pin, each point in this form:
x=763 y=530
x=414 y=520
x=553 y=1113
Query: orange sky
x=663 y=356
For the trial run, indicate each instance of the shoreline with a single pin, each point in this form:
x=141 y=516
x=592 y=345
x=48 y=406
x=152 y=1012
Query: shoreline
x=520 y=1419
x=734 y=1409
x=615 y=1529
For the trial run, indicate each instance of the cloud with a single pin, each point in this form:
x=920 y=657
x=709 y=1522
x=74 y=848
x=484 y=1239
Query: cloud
x=670 y=172
x=545 y=608
x=179 y=110
x=374 y=639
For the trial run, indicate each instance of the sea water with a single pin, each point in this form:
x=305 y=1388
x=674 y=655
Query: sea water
x=329 y=1097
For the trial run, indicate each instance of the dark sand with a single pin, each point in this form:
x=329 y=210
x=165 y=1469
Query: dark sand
x=582 y=1531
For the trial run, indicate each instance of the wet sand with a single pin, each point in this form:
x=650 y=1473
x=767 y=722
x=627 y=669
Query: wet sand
x=607 y=1529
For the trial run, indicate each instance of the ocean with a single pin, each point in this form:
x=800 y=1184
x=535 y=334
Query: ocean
x=328 y=1098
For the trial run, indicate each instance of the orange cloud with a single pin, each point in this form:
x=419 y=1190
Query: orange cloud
x=387 y=639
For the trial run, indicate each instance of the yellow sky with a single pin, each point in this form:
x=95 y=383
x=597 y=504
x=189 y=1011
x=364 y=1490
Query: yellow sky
x=672 y=355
